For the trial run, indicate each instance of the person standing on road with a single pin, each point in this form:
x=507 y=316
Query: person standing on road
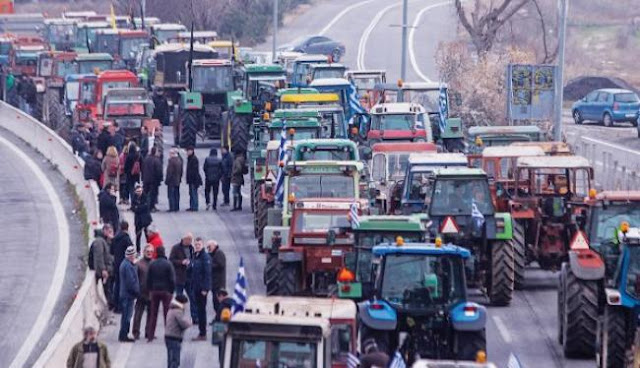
x=161 y=282
x=93 y=167
x=143 y=302
x=194 y=180
x=176 y=324
x=144 y=141
x=117 y=136
x=132 y=168
x=152 y=177
x=129 y=291
x=213 y=173
x=103 y=261
x=154 y=239
x=79 y=142
x=104 y=140
x=124 y=185
x=142 y=210
x=181 y=257
x=201 y=285
x=89 y=352
x=107 y=201
x=172 y=179
x=119 y=245
x=218 y=271
x=160 y=107
x=227 y=167
x=237 y=181
x=111 y=167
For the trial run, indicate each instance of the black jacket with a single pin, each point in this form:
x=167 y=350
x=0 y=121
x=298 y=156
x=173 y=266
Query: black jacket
x=218 y=270
x=161 y=276
x=151 y=171
x=79 y=142
x=132 y=157
x=92 y=168
x=193 y=171
x=108 y=209
x=118 y=140
x=119 y=245
x=161 y=109
x=201 y=272
x=142 y=210
x=104 y=141
x=174 y=171
x=178 y=254
x=212 y=167
x=227 y=165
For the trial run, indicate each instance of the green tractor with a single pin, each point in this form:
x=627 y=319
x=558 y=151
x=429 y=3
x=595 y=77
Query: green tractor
x=462 y=212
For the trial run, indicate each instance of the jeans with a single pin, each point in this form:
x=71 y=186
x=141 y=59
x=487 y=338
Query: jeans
x=226 y=184
x=173 y=195
x=211 y=187
x=157 y=297
x=192 y=303
x=126 y=306
x=173 y=352
x=142 y=304
x=153 y=195
x=201 y=311
x=193 y=197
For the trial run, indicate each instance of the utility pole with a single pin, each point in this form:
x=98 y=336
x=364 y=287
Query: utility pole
x=275 y=30
x=557 y=124
x=403 y=62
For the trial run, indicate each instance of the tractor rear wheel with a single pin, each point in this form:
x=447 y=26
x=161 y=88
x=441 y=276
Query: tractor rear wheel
x=224 y=130
x=189 y=129
x=501 y=274
x=520 y=254
x=39 y=106
x=580 y=315
x=272 y=273
x=239 y=134
x=54 y=110
x=560 y=314
x=64 y=130
x=614 y=338
x=289 y=279
x=262 y=217
x=469 y=343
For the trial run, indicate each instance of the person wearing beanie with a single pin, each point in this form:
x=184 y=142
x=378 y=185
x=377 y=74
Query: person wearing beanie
x=176 y=323
x=119 y=246
x=161 y=282
x=129 y=291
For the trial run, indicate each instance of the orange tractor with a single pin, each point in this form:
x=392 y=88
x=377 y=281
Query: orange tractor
x=93 y=89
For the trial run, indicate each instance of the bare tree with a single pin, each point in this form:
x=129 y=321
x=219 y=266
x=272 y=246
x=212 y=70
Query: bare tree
x=486 y=21
x=549 y=56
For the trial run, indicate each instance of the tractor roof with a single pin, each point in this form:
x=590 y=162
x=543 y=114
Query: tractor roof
x=168 y=27
x=258 y=319
x=429 y=249
x=294 y=91
x=295 y=113
x=301 y=307
x=512 y=151
x=97 y=56
x=436 y=158
x=275 y=145
x=263 y=68
x=311 y=58
x=397 y=108
x=390 y=223
x=422 y=86
x=221 y=43
x=460 y=171
x=309 y=97
x=197 y=34
x=60 y=21
x=497 y=130
x=327 y=66
x=127 y=95
x=329 y=82
x=94 y=24
x=341 y=142
x=549 y=148
x=415 y=147
x=117 y=75
x=211 y=62
x=619 y=195
x=77 y=77
x=179 y=47
x=557 y=162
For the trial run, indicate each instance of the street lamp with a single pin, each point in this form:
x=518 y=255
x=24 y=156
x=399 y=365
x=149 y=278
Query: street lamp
x=275 y=30
x=562 y=32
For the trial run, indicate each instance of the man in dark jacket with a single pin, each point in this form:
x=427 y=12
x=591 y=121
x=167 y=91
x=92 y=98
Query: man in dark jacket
x=143 y=302
x=103 y=261
x=142 y=210
x=227 y=167
x=201 y=285
x=152 y=177
x=161 y=282
x=117 y=136
x=93 y=167
x=107 y=200
x=144 y=141
x=218 y=271
x=161 y=107
x=79 y=141
x=129 y=291
x=225 y=302
x=213 y=173
x=237 y=181
x=181 y=257
x=104 y=140
x=172 y=179
x=194 y=180
x=119 y=245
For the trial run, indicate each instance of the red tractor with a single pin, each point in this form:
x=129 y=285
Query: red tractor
x=93 y=89
x=23 y=55
x=53 y=67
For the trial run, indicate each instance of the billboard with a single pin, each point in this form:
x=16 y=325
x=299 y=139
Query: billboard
x=530 y=92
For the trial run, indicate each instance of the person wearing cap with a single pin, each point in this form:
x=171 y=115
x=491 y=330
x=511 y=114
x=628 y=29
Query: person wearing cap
x=161 y=282
x=154 y=239
x=173 y=177
x=194 y=179
x=129 y=291
x=89 y=352
x=200 y=285
x=143 y=302
x=142 y=210
x=176 y=323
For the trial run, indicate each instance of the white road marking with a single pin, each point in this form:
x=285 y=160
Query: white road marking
x=502 y=329
x=414 y=26
x=57 y=278
x=362 y=45
x=341 y=14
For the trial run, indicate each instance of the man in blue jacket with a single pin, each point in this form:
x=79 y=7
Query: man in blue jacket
x=129 y=291
x=201 y=285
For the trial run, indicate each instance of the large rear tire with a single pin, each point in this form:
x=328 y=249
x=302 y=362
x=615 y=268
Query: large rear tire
x=520 y=254
x=289 y=279
x=55 y=111
x=580 y=315
x=38 y=107
x=501 y=274
x=189 y=129
x=261 y=216
x=469 y=343
x=614 y=338
x=272 y=274
x=239 y=134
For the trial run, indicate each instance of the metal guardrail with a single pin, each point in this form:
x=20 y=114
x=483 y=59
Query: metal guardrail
x=86 y=308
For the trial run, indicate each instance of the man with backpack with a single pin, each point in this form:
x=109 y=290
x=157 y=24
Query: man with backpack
x=101 y=261
x=212 y=173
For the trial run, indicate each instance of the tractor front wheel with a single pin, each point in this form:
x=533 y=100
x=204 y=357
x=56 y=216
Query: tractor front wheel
x=189 y=129
x=289 y=279
x=38 y=107
x=501 y=274
x=579 y=314
x=520 y=255
x=469 y=343
x=272 y=273
x=239 y=134
x=614 y=338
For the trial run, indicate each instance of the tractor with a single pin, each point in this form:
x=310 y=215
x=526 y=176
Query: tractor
x=60 y=33
x=461 y=211
x=599 y=283
x=292 y=332
x=326 y=70
x=479 y=137
x=161 y=33
x=397 y=122
x=353 y=110
x=85 y=37
x=388 y=165
x=420 y=306
x=93 y=89
x=123 y=44
x=300 y=69
x=53 y=67
x=547 y=192
x=94 y=63
x=409 y=195
x=23 y=55
x=365 y=82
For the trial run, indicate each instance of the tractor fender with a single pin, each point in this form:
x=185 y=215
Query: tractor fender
x=586 y=264
x=273 y=234
x=290 y=257
x=468 y=317
x=503 y=226
x=274 y=216
x=378 y=315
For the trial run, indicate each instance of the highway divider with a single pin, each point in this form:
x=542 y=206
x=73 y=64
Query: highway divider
x=87 y=309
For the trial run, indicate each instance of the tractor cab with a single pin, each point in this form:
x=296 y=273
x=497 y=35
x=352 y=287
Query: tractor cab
x=163 y=32
x=5 y=49
x=304 y=127
x=413 y=191
x=71 y=94
x=365 y=82
x=260 y=85
x=324 y=150
x=23 y=55
x=85 y=37
x=226 y=49
x=339 y=86
x=307 y=97
x=301 y=67
x=331 y=118
x=60 y=33
x=326 y=70
x=480 y=137
x=54 y=66
x=93 y=91
x=398 y=122
x=94 y=63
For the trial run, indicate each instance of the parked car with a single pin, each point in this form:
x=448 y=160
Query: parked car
x=608 y=106
x=319 y=45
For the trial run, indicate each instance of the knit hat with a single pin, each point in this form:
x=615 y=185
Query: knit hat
x=131 y=251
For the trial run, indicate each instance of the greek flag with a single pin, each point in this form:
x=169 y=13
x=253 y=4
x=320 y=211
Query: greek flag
x=240 y=290
x=398 y=361
x=354 y=105
x=476 y=214
x=513 y=362
x=282 y=157
x=353 y=214
x=444 y=108
x=352 y=361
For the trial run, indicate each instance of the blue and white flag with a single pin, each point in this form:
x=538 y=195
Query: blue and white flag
x=398 y=361
x=352 y=361
x=282 y=157
x=513 y=362
x=476 y=214
x=353 y=215
x=355 y=106
x=444 y=108
x=240 y=290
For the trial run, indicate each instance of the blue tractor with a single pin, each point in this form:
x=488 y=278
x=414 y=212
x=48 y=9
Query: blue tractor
x=421 y=293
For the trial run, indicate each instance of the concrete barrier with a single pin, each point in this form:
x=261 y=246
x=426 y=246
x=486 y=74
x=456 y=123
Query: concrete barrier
x=86 y=308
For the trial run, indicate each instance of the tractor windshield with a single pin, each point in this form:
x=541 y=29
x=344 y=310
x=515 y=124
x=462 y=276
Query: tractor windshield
x=461 y=196
x=419 y=281
x=88 y=93
x=633 y=272
x=212 y=79
x=5 y=47
x=428 y=98
x=389 y=166
x=606 y=221
x=129 y=47
x=322 y=73
x=272 y=352
x=366 y=83
x=90 y=67
x=65 y=68
x=320 y=222
x=326 y=154
x=72 y=90
x=393 y=122
x=322 y=186
x=301 y=133
x=61 y=32
x=108 y=86
x=418 y=185
x=366 y=241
